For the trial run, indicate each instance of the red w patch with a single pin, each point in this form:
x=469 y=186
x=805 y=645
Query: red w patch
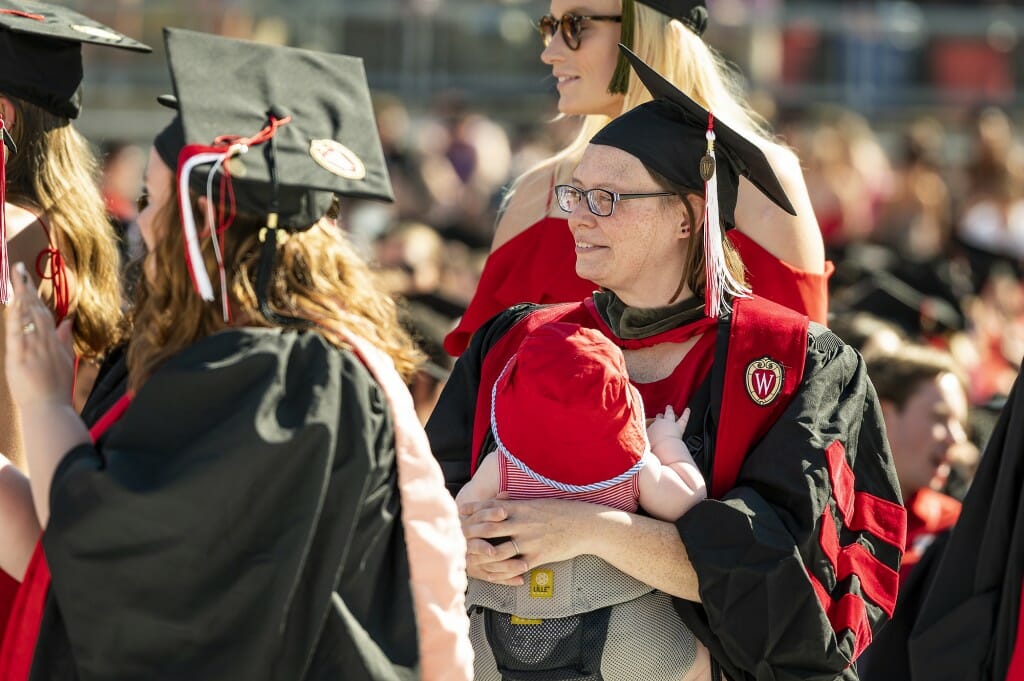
x=764 y=379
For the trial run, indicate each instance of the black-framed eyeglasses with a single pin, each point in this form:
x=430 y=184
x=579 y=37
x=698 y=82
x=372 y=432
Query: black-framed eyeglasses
x=571 y=25
x=600 y=201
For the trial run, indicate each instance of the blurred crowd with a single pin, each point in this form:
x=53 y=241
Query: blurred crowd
x=926 y=231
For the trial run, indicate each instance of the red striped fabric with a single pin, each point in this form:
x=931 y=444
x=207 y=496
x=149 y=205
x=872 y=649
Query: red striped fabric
x=861 y=511
x=848 y=612
x=623 y=496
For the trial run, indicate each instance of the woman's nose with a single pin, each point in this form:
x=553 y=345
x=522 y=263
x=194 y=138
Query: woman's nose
x=554 y=51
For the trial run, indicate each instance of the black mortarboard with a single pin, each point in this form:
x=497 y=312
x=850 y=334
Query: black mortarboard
x=693 y=13
x=227 y=87
x=678 y=138
x=41 y=53
x=293 y=127
x=669 y=135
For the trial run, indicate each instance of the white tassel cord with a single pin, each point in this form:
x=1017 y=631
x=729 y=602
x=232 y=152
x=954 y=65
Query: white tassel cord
x=200 y=277
x=719 y=282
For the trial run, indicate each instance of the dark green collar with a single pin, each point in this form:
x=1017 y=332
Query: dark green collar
x=630 y=323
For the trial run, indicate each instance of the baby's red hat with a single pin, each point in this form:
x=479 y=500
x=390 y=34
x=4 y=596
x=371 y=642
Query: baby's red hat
x=564 y=412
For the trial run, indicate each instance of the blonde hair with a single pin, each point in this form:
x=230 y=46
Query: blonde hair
x=55 y=173
x=318 y=278
x=689 y=63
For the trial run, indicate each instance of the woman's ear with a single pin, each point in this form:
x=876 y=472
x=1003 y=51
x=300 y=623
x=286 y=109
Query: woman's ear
x=8 y=111
x=692 y=215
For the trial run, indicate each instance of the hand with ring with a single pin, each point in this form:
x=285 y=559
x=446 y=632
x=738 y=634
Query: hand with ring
x=39 y=359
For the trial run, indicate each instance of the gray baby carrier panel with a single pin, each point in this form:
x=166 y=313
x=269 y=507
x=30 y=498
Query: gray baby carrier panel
x=577 y=620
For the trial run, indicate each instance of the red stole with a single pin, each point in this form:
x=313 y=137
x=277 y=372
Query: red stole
x=22 y=633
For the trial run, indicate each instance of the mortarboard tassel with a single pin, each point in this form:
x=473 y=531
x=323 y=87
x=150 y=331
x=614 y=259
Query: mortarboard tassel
x=272 y=235
x=191 y=156
x=619 y=84
x=223 y=149
x=719 y=282
x=5 y=267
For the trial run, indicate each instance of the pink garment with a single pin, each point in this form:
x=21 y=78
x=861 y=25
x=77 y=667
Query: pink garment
x=433 y=534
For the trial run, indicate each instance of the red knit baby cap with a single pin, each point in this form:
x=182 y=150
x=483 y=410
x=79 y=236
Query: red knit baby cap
x=563 y=410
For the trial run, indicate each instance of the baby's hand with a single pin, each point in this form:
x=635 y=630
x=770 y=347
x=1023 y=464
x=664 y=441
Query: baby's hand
x=666 y=425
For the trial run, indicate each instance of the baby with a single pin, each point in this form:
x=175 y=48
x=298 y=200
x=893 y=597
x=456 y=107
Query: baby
x=567 y=423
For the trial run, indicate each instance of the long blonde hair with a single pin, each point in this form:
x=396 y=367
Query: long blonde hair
x=318 y=278
x=689 y=63
x=55 y=174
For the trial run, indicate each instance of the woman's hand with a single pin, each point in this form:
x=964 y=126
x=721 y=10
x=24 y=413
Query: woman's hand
x=539 y=531
x=39 y=361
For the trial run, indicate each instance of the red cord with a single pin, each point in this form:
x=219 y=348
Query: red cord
x=25 y=15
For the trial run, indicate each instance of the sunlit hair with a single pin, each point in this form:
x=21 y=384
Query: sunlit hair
x=898 y=375
x=318 y=278
x=55 y=174
x=684 y=59
x=693 y=275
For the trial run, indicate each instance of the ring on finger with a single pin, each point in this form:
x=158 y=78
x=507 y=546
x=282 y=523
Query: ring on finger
x=515 y=546
x=27 y=328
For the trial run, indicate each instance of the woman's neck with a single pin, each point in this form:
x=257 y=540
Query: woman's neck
x=634 y=322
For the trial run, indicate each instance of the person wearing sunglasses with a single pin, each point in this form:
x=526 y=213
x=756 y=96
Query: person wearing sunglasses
x=531 y=255
x=789 y=568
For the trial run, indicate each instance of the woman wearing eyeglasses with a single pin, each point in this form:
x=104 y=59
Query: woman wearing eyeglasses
x=788 y=568
x=532 y=252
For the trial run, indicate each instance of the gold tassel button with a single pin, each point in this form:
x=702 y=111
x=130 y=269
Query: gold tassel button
x=707 y=167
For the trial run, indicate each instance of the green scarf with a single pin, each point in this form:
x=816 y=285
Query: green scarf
x=632 y=323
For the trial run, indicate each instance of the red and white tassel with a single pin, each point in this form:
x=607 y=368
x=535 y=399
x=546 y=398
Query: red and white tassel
x=191 y=156
x=719 y=283
x=6 y=290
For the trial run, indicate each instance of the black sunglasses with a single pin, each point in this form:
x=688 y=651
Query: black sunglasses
x=571 y=25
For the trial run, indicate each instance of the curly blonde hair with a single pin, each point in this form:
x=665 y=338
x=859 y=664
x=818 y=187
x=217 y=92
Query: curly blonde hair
x=318 y=278
x=55 y=174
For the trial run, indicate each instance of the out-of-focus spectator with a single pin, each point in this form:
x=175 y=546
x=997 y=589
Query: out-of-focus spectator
x=996 y=328
x=123 y=164
x=412 y=260
x=991 y=223
x=916 y=221
x=466 y=158
x=848 y=176
x=924 y=404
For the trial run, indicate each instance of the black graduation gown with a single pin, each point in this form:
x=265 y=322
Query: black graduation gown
x=241 y=520
x=754 y=548
x=967 y=627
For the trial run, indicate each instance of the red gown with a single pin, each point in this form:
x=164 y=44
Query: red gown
x=539 y=266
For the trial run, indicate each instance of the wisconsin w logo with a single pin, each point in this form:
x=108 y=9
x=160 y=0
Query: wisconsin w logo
x=764 y=380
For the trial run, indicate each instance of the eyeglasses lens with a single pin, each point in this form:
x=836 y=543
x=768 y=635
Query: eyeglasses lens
x=568 y=197
x=601 y=202
x=570 y=25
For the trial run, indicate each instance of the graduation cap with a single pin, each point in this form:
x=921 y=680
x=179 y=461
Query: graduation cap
x=692 y=13
x=682 y=141
x=41 y=53
x=276 y=131
x=890 y=298
x=41 y=57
